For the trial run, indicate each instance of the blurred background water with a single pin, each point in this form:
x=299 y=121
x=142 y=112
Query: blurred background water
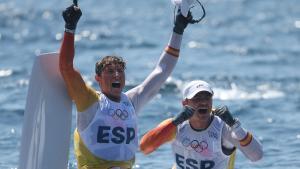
x=247 y=49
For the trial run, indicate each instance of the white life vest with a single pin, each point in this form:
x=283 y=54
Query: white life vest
x=200 y=149
x=112 y=134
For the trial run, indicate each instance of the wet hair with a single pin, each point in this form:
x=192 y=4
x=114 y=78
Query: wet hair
x=108 y=60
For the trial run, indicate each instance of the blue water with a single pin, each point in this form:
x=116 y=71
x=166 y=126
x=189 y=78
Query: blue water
x=247 y=49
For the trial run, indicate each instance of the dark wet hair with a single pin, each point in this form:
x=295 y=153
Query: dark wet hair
x=107 y=60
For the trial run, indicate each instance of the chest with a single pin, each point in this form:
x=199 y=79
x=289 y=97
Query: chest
x=119 y=114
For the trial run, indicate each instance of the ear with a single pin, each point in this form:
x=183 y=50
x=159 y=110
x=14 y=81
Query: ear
x=97 y=78
x=184 y=102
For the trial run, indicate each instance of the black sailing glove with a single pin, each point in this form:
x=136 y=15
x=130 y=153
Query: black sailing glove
x=71 y=16
x=186 y=113
x=225 y=115
x=181 y=22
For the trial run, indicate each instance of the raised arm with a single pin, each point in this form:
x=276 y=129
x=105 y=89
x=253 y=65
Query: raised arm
x=77 y=89
x=144 y=92
x=161 y=134
x=141 y=94
x=234 y=133
x=244 y=141
x=164 y=132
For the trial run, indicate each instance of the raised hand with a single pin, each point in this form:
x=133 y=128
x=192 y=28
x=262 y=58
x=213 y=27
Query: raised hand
x=225 y=115
x=185 y=114
x=181 y=22
x=71 y=16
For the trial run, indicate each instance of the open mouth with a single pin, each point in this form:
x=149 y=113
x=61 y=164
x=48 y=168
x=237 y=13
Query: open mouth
x=116 y=84
x=202 y=111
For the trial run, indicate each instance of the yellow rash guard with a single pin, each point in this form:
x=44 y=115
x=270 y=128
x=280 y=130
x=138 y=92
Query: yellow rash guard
x=86 y=100
x=86 y=160
x=89 y=103
x=109 y=139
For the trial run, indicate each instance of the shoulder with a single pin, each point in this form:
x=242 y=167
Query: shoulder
x=217 y=123
x=91 y=96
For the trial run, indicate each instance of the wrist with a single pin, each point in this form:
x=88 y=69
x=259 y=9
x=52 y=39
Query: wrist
x=184 y=115
x=72 y=31
x=236 y=124
x=176 y=121
x=175 y=40
x=180 y=118
x=178 y=30
x=238 y=132
x=232 y=122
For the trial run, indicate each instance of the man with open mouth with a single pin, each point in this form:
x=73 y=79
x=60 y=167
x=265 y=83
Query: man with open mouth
x=202 y=138
x=106 y=130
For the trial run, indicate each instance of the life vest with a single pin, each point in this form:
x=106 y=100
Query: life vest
x=112 y=134
x=200 y=149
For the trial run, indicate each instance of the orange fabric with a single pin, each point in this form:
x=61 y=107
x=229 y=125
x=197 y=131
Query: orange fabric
x=82 y=95
x=163 y=133
x=246 y=141
x=172 y=51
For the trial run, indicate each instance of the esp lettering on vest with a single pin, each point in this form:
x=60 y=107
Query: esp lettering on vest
x=119 y=134
x=193 y=164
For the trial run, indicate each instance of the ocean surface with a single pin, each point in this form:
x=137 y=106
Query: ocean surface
x=249 y=50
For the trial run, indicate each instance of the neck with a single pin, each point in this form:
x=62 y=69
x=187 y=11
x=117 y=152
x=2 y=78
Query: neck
x=201 y=124
x=113 y=98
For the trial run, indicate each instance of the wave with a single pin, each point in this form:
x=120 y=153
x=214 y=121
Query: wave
x=236 y=93
x=233 y=92
x=5 y=72
x=9 y=112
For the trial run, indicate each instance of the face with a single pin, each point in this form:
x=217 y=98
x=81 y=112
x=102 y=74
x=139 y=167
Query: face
x=112 y=81
x=202 y=103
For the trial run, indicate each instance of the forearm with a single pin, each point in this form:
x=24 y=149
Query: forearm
x=66 y=54
x=82 y=95
x=143 y=93
x=66 y=57
x=246 y=142
x=175 y=40
x=253 y=150
x=163 y=133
